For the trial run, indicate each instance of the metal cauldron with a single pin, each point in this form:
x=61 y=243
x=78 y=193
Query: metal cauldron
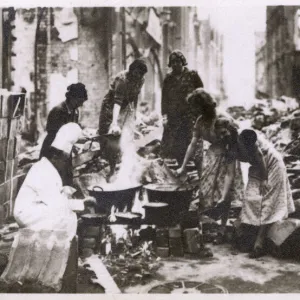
x=121 y=199
x=177 y=198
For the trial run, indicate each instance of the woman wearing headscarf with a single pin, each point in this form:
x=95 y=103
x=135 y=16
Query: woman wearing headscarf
x=41 y=203
x=65 y=112
x=118 y=109
x=177 y=115
x=219 y=176
x=62 y=114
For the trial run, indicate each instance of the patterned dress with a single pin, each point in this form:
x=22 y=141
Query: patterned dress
x=278 y=202
x=178 y=132
x=214 y=170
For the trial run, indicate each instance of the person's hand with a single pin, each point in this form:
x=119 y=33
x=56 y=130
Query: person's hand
x=90 y=201
x=264 y=187
x=179 y=172
x=68 y=191
x=114 y=130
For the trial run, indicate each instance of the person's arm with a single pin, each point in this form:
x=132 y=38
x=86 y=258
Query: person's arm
x=192 y=147
x=164 y=103
x=119 y=97
x=189 y=153
x=197 y=81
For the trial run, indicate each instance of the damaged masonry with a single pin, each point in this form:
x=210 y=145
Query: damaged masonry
x=129 y=163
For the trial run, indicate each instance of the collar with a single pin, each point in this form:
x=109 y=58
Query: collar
x=67 y=108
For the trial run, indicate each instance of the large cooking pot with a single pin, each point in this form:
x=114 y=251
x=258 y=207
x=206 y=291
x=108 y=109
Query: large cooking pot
x=119 y=198
x=178 y=198
x=156 y=213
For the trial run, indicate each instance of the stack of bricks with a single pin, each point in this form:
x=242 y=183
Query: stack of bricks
x=12 y=106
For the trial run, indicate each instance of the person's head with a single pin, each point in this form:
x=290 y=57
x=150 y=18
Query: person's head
x=225 y=131
x=137 y=69
x=202 y=103
x=76 y=95
x=177 y=61
x=246 y=144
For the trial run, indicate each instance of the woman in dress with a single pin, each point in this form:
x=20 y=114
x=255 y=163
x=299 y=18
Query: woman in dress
x=177 y=115
x=268 y=196
x=219 y=172
x=118 y=110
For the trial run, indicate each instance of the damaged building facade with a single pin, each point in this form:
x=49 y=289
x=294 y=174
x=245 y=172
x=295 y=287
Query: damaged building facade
x=281 y=50
x=46 y=49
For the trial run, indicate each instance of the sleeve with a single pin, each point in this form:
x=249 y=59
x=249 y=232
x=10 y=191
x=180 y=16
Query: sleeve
x=164 y=98
x=55 y=120
x=197 y=80
x=120 y=92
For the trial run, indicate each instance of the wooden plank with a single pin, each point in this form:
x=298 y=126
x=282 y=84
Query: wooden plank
x=13 y=127
x=3 y=128
x=2 y=171
x=4 y=104
x=103 y=276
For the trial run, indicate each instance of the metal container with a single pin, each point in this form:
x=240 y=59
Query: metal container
x=156 y=213
x=121 y=199
x=178 y=199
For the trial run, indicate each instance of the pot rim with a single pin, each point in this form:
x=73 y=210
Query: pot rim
x=92 y=189
x=160 y=187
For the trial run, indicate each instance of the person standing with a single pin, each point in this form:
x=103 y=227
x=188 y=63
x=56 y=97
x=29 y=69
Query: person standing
x=177 y=115
x=118 y=110
x=62 y=114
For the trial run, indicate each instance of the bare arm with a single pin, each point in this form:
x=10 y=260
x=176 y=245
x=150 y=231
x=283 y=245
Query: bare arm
x=192 y=146
x=189 y=153
x=116 y=113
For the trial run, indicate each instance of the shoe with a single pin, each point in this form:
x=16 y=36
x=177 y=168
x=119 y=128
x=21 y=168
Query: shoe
x=257 y=252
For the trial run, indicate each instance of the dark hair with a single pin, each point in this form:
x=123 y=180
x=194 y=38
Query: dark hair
x=138 y=64
x=177 y=54
x=248 y=138
x=200 y=98
x=76 y=90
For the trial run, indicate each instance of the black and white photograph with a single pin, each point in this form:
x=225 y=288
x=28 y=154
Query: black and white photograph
x=149 y=149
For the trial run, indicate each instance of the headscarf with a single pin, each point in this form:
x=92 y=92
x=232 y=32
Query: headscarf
x=77 y=90
x=177 y=54
x=67 y=136
x=138 y=64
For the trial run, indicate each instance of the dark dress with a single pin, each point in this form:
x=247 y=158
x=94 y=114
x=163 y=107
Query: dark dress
x=59 y=116
x=178 y=132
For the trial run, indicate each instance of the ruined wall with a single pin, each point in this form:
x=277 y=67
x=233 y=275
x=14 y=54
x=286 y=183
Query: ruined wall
x=83 y=59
